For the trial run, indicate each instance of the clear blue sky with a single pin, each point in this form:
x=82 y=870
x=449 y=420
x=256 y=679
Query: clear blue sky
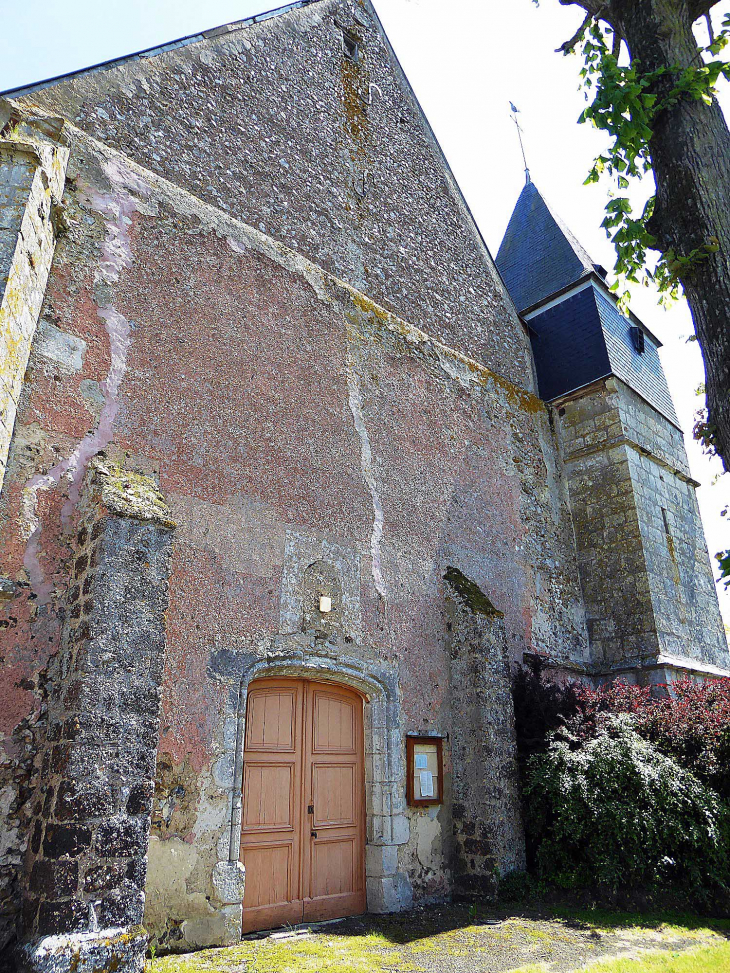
x=465 y=60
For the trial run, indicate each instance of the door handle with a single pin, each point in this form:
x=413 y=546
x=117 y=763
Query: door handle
x=310 y=809
x=314 y=834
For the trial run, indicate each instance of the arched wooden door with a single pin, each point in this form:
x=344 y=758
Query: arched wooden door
x=303 y=815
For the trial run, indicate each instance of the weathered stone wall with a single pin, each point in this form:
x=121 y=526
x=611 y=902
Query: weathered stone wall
x=87 y=858
x=645 y=571
x=32 y=169
x=271 y=123
x=486 y=810
x=290 y=421
x=684 y=597
x=304 y=434
x=32 y=172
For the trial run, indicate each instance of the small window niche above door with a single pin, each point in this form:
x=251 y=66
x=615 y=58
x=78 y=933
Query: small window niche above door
x=424 y=756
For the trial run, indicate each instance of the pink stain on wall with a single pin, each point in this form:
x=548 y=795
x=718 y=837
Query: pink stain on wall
x=117 y=209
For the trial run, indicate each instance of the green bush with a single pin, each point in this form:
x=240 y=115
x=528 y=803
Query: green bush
x=615 y=812
x=521 y=887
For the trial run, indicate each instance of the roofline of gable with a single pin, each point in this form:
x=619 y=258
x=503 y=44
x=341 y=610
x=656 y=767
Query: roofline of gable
x=442 y=155
x=259 y=18
x=578 y=285
x=159 y=48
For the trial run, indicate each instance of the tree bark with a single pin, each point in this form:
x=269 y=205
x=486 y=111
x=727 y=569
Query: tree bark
x=690 y=153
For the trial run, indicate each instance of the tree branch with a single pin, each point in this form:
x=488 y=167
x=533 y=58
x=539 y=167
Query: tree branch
x=698 y=8
x=595 y=10
x=616 y=46
x=592 y=7
x=569 y=46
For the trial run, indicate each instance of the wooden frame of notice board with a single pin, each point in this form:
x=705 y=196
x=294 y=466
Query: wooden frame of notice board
x=424 y=755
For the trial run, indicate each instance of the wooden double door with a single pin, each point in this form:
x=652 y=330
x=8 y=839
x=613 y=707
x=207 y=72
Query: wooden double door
x=303 y=814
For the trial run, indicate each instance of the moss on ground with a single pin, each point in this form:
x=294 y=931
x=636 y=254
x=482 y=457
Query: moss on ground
x=330 y=954
x=454 y=939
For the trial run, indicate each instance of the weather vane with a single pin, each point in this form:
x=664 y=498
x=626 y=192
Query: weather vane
x=513 y=116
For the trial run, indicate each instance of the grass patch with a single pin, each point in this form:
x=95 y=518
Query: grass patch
x=707 y=959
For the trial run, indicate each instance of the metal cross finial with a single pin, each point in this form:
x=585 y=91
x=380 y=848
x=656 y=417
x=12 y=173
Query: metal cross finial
x=513 y=116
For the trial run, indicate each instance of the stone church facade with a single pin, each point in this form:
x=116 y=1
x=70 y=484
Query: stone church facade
x=291 y=472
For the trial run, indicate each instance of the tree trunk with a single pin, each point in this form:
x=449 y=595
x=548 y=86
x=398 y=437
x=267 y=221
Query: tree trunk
x=690 y=153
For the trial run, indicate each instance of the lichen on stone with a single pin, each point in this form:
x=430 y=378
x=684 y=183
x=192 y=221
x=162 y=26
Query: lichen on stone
x=129 y=494
x=471 y=594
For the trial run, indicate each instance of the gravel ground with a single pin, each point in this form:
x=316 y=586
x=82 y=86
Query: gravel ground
x=453 y=939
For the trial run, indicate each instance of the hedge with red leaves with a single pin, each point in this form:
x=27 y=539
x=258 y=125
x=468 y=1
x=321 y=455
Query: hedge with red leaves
x=688 y=721
x=591 y=816
x=613 y=813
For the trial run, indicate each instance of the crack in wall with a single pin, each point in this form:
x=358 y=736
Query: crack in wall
x=117 y=209
x=366 y=462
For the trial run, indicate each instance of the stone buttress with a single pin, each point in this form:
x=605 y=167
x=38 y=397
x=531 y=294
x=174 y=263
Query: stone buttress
x=486 y=812
x=87 y=858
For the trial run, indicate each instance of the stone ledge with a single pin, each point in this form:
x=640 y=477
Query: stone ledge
x=692 y=665
x=648 y=665
x=228 y=881
x=128 y=494
x=120 y=949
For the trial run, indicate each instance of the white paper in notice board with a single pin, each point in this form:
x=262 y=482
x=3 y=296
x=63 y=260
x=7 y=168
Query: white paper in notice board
x=426 y=778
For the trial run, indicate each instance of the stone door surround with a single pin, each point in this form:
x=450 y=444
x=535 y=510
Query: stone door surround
x=387 y=826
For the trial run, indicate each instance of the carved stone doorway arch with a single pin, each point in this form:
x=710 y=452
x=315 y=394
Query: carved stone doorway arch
x=387 y=827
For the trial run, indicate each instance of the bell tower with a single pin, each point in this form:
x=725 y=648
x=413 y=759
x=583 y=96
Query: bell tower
x=647 y=582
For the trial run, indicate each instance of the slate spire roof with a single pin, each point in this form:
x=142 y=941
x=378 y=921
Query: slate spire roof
x=580 y=336
x=539 y=255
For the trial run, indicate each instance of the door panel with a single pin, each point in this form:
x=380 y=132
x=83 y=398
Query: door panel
x=334 y=723
x=334 y=795
x=270 y=720
x=272 y=785
x=268 y=875
x=303 y=823
x=333 y=873
x=271 y=802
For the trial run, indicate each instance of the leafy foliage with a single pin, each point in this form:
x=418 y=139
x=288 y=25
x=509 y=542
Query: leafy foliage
x=625 y=785
x=626 y=104
x=690 y=724
x=616 y=812
x=723 y=560
x=627 y=100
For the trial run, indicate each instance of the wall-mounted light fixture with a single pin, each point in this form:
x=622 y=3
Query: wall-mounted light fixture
x=325 y=604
